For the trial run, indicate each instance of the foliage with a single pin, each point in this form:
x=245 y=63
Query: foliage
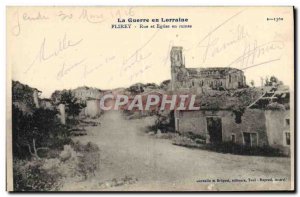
x=275 y=106
x=187 y=141
x=225 y=147
x=30 y=176
x=165 y=122
x=73 y=105
x=238 y=112
x=229 y=147
x=24 y=93
x=35 y=132
x=136 y=88
x=48 y=174
x=165 y=84
x=140 y=87
x=151 y=86
x=273 y=81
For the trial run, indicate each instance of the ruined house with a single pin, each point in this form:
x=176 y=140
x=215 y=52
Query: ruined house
x=87 y=95
x=84 y=93
x=25 y=97
x=246 y=116
x=217 y=78
x=251 y=126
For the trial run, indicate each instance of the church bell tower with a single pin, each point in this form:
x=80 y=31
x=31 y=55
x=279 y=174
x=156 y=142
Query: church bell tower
x=177 y=62
x=176 y=57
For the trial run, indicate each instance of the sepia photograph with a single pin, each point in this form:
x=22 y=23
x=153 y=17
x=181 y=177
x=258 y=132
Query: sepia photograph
x=150 y=99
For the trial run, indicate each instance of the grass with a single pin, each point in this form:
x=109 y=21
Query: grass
x=232 y=148
x=225 y=147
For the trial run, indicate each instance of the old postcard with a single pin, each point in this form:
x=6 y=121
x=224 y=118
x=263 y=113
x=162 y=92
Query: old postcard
x=150 y=99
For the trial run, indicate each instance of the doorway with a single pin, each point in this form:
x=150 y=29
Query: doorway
x=214 y=128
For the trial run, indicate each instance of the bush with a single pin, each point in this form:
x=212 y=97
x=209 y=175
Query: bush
x=229 y=147
x=48 y=174
x=185 y=141
x=164 y=122
x=35 y=132
x=194 y=136
x=88 y=158
x=30 y=176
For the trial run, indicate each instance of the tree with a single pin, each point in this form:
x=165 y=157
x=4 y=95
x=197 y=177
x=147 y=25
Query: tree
x=136 y=88
x=273 y=81
x=21 y=92
x=151 y=86
x=56 y=96
x=37 y=131
x=165 y=84
x=73 y=105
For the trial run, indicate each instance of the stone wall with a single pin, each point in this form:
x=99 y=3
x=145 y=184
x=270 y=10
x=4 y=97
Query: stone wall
x=277 y=124
x=252 y=121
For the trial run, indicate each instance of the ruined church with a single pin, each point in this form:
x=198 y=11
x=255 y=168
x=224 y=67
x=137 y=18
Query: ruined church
x=248 y=117
x=216 y=78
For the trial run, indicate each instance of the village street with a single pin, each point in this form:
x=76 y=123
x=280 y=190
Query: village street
x=156 y=164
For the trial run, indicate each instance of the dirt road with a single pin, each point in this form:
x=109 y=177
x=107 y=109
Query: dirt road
x=126 y=150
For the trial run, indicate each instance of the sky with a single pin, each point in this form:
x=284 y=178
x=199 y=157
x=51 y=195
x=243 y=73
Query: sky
x=54 y=48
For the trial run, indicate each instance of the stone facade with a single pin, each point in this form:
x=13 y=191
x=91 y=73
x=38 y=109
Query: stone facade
x=278 y=129
x=92 y=108
x=257 y=127
x=85 y=93
x=215 y=77
x=91 y=97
